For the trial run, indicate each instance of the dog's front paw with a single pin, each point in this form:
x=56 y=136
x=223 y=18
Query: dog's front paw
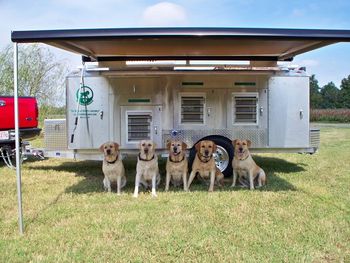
x=154 y=195
x=233 y=185
x=135 y=195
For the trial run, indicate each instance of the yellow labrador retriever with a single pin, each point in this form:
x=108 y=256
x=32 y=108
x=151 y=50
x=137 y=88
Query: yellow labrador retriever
x=176 y=165
x=147 y=171
x=244 y=166
x=112 y=166
x=204 y=164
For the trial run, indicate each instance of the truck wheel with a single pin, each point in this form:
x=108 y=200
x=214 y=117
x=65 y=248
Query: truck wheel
x=223 y=156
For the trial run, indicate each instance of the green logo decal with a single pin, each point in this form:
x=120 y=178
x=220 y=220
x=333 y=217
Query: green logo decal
x=85 y=96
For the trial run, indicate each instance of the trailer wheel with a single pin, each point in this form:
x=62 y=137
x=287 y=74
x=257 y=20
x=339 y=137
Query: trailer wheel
x=223 y=156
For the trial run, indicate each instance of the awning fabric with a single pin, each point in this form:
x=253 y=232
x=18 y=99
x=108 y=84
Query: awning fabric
x=259 y=44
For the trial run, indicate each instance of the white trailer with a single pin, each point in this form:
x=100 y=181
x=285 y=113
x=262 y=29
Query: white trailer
x=184 y=83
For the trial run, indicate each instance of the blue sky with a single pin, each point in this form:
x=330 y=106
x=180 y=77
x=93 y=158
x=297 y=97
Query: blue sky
x=331 y=63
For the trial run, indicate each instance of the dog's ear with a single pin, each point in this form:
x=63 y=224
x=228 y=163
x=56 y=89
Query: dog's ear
x=101 y=147
x=184 y=146
x=214 y=147
x=234 y=142
x=197 y=146
x=168 y=144
x=116 y=145
x=249 y=143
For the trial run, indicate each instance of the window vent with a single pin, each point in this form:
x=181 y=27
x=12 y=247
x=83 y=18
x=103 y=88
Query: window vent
x=192 y=83
x=192 y=109
x=245 y=83
x=139 y=127
x=245 y=109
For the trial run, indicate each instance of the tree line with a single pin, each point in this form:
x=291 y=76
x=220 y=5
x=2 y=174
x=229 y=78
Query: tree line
x=329 y=96
x=40 y=74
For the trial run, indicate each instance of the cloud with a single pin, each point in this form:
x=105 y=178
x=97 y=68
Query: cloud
x=164 y=14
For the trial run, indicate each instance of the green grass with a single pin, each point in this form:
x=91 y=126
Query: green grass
x=302 y=215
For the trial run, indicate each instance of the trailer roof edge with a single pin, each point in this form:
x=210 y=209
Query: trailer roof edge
x=279 y=43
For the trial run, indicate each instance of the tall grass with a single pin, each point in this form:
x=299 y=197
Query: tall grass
x=330 y=115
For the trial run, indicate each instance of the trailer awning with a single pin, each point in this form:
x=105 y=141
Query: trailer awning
x=120 y=44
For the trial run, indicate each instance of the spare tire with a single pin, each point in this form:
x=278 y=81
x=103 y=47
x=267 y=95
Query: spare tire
x=223 y=156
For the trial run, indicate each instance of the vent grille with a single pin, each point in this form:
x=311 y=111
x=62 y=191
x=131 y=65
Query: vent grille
x=245 y=109
x=192 y=109
x=139 y=127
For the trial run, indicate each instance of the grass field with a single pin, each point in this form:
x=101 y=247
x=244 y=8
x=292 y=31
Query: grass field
x=302 y=215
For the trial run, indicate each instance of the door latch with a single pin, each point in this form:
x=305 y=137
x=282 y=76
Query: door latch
x=208 y=111
x=301 y=114
x=101 y=114
x=155 y=129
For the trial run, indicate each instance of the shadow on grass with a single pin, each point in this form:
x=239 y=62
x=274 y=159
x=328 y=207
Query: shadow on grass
x=91 y=171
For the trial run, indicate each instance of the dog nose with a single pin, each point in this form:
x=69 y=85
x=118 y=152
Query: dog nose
x=175 y=149
x=146 y=150
x=108 y=151
x=206 y=152
x=240 y=149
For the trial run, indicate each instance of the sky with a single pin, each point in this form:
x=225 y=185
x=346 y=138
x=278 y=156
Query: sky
x=331 y=63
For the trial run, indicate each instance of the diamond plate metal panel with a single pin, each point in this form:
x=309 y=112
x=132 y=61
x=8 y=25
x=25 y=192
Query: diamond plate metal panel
x=315 y=138
x=190 y=137
x=55 y=134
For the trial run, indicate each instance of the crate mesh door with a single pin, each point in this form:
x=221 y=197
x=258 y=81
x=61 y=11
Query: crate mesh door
x=192 y=109
x=139 y=126
x=245 y=109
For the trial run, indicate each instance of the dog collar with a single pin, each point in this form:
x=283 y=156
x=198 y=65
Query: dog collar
x=145 y=159
x=116 y=159
x=204 y=157
x=176 y=161
x=244 y=158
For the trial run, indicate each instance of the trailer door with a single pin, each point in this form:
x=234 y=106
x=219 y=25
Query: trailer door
x=92 y=129
x=140 y=123
x=288 y=112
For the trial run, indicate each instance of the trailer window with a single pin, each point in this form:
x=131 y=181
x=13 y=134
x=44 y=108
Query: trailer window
x=139 y=127
x=245 y=108
x=192 y=109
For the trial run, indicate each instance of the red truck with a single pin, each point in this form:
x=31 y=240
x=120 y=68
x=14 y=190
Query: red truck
x=28 y=121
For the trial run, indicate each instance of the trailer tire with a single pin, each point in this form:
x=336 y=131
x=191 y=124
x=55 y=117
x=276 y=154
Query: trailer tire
x=224 y=154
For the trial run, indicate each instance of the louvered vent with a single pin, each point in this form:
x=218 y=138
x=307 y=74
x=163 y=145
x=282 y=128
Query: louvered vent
x=192 y=109
x=245 y=109
x=139 y=127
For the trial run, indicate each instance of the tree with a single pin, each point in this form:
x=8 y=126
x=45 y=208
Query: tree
x=345 y=92
x=330 y=96
x=40 y=74
x=315 y=96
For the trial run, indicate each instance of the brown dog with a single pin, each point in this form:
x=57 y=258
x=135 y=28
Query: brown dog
x=204 y=164
x=176 y=165
x=244 y=166
x=112 y=167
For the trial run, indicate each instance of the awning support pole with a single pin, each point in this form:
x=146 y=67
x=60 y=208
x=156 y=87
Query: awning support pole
x=18 y=159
